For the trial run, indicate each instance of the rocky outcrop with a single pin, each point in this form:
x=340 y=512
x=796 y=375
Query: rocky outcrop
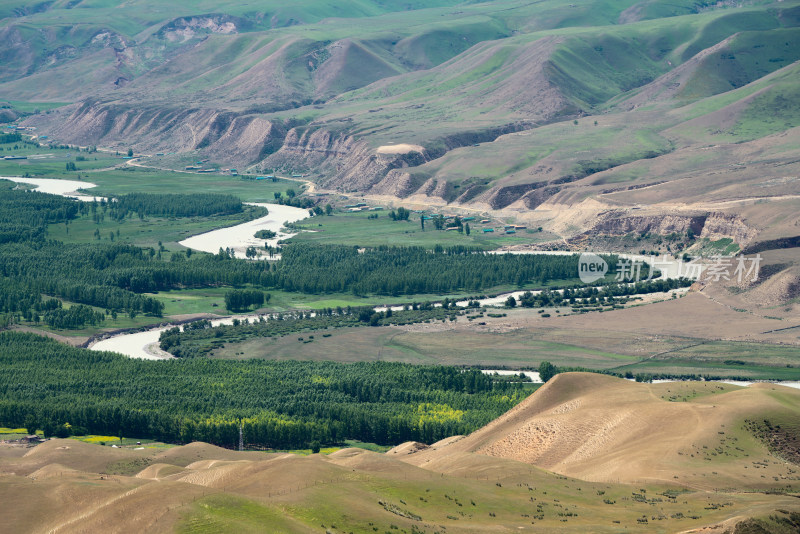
x=620 y=223
x=185 y=28
x=722 y=225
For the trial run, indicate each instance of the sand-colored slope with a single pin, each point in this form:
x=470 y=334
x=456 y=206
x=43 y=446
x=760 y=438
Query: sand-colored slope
x=72 y=455
x=356 y=490
x=197 y=451
x=602 y=428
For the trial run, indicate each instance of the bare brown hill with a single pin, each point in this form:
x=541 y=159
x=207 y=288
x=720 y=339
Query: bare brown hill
x=357 y=490
x=602 y=428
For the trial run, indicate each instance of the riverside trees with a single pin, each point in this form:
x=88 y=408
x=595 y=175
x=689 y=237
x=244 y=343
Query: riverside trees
x=282 y=404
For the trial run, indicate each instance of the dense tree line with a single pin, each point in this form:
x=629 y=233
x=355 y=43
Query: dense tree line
x=288 y=404
x=24 y=216
x=200 y=338
x=606 y=294
x=174 y=205
x=264 y=234
x=30 y=208
x=17 y=297
x=411 y=270
x=16 y=233
x=291 y=199
x=114 y=276
x=401 y=214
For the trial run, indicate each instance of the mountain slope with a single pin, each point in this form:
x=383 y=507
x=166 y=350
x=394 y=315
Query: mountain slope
x=566 y=116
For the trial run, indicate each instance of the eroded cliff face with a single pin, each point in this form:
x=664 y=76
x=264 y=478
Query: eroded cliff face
x=230 y=138
x=723 y=225
x=340 y=161
x=255 y=141
x=711 y=226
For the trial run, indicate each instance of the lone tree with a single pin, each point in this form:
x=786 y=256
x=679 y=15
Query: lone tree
x=511 y=301
x=130 y=152
x=547 y=371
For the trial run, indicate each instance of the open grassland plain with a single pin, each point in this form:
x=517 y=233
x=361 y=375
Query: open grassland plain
x=642 y=340
x=372 y=229
x=112 y=180
x=148 y=232
x=141 y=179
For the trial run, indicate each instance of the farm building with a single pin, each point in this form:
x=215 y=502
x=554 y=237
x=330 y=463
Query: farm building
x=511 y=231
x=485 y=230
x=485 y=221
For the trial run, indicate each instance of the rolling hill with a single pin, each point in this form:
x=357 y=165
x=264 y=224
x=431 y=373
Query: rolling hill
x=601 y=428
x=472 y=484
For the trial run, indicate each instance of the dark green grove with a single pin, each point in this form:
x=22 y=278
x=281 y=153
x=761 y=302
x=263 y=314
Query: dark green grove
x=281 y=404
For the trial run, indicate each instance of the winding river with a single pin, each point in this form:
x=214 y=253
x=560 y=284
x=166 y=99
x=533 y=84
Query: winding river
x=240 y=237
x=65 y=188
x=145 y=344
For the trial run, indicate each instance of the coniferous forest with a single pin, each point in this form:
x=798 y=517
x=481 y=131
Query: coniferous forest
x=47 y=385
x=174 y=205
